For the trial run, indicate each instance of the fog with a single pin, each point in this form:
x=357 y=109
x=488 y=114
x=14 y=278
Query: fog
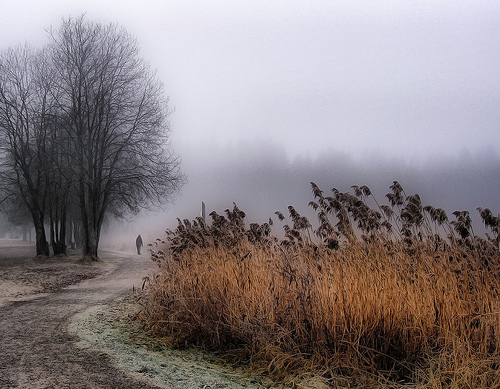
x=268 y=96
x=262 y=178
x=401 y=78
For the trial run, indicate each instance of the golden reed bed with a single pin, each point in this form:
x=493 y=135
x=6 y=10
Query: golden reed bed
x=390 y=296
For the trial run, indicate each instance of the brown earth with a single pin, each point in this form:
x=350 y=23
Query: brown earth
x=67 y=324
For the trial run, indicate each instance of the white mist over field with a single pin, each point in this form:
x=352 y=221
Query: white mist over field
x=270 y=95
x=262 y=178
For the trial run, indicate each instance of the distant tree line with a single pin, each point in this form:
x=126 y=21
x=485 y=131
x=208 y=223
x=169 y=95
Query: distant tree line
x=84 y=134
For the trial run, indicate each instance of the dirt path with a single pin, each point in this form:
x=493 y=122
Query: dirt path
x=37 y=350
x=58 y=332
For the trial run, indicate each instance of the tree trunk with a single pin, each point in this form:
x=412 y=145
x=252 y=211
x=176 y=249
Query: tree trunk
x=58 y=239
x=71 y=239
x=77 y=234
x=91 y=229
x=58 y=230
x=90 y=239
x=42 y=246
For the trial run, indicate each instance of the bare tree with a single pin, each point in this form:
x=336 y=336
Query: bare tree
x=84 y=122
x=25 y=110
x=116 y=117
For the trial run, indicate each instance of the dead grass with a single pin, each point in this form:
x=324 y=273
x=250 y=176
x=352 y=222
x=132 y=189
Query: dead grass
x=357 y=303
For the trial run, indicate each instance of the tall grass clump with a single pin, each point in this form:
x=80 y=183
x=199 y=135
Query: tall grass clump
x=374 y=296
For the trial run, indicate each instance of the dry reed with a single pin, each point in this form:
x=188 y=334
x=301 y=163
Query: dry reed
x=382 y=298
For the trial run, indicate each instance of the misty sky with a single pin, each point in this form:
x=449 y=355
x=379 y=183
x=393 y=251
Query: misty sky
x=398 y=85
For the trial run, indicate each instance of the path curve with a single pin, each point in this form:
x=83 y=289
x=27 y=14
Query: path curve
x=37 y=350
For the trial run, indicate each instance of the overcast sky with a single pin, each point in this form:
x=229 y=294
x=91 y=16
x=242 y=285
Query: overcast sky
x=411 y=78
x=407 y=80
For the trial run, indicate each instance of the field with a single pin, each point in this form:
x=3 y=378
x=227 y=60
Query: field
x=23 y=276
x=376 y=295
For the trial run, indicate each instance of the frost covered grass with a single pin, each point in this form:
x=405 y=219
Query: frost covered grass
x=390 y=296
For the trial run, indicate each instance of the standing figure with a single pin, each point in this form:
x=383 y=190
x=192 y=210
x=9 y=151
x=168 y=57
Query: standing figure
x=138 y=243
